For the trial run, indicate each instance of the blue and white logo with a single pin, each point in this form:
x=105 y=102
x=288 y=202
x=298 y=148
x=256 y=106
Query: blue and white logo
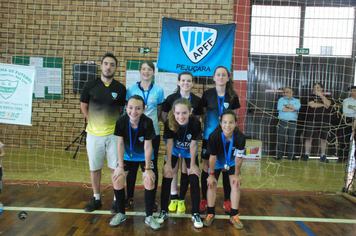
x=114 y=95
x=197 y=42
x=141 y=139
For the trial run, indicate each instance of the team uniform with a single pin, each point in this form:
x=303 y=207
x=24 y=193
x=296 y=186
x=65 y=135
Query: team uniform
x=225 y=152
x=181 y=148
x=153 y=98
x=215 y=106
x=104 y=109
x=213 y=103
x=195 y=102
x=216 y=147
x=134 y=140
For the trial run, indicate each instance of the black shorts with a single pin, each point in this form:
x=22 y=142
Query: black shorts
x=128 y=165
x=317 y=130
x=187 y=161
x=217 y=172
x=204 y=156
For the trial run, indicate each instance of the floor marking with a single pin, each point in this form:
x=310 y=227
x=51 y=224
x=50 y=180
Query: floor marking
x=306 y=229
x=183 y=215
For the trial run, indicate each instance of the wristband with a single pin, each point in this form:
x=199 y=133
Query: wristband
x=211 y=173
x=147 y=168
x=120 y=166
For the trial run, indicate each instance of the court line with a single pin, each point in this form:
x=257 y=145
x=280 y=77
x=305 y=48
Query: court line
x=305 y=228
x=182 y=215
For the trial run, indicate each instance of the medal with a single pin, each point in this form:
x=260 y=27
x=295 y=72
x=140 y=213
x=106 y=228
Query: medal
x=229 y=153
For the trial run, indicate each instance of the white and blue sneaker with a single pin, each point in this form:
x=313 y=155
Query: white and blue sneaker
x=162 y=216
x=198 y=223
x=151 y=222
x=117 y=219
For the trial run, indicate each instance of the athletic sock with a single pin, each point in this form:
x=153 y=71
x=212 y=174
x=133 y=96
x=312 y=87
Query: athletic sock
x=149 y=201
x=166 y=184
x=204 y=186
x=184 y=183
x=120 y=196
x=234 y=212
x=226 y=186
x=97 y=196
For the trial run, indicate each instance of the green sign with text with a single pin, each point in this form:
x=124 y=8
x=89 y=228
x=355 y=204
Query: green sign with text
x=302 y=51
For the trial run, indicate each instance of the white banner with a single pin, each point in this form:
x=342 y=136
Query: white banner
x=16 y=88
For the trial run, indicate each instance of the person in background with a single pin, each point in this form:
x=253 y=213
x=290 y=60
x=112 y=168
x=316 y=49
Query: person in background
x=185 y=84
x=135 y=133
x=317 y=121
x=153 y=96
x=102 y=102
x=288 y=108
x=225 y=147
x=345 y=130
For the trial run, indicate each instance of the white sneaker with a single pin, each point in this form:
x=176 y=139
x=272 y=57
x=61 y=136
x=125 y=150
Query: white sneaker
x=117 y=219
x=151 y=221
x=162 y=216
x=197 y=221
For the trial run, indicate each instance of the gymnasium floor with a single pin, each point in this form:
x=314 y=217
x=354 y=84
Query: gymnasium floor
x=58 y=210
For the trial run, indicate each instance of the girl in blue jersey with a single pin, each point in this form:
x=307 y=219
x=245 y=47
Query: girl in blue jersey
x=135 y=133
x=153 y=96
x=182 y=131
x=225 y=147
x=185 y=85
x=215 y=101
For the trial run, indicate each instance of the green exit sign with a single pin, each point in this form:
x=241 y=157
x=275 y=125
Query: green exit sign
x=144 y=50
x=303 y=51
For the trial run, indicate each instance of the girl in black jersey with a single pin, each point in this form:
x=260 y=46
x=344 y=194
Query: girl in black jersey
x=135 y=132
x=215 y=101
x=185 y=84
x=225 y=147
x=182 y=131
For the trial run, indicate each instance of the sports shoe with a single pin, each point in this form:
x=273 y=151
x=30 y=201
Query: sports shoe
x=117 y=219
x=208 y=220
x=203 y=205
x=162 y=216
x=227 y=206
x=129 y=203
x=197 y=221
x=293 y=158
x=278 y=158
x=114 y=207
x=306 y=158
x=93 y=205
x=324 y=159
x=181 y=206
x=235 y=221
x=173 y=205
x=155 y=206
x=151 y=222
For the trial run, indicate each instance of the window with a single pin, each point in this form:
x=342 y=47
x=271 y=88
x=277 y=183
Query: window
x=275 y=29
x=328 y=31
